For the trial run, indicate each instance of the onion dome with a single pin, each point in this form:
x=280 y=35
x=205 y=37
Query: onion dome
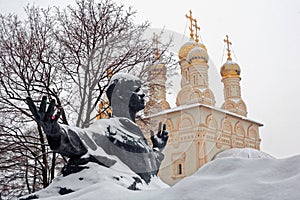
x=197 y=54
x=185 y=49
x=230 y=69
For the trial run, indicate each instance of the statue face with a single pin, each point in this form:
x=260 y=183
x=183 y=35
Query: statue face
x=137 y=102
x=125 y=96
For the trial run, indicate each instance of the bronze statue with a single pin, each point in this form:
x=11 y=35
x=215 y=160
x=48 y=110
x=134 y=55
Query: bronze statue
x=106 y=139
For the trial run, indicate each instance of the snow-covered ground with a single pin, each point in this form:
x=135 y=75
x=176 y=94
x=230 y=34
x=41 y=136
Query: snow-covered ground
x=233 y=174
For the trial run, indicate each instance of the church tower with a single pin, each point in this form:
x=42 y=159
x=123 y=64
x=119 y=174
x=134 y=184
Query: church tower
x=193 y=59
x=230 y=72
x=157 y=95
x=157 y=77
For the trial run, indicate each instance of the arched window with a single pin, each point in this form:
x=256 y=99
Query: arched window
x=170 y=125
x=227 y=127
x=252 y=133
x=196 y=95
x=186 y=121
x=211 y=122
x=207 y=94
x=229 y=106
x=240 y=130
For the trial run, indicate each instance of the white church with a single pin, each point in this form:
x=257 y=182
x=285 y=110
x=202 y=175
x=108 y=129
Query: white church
x=198 y=130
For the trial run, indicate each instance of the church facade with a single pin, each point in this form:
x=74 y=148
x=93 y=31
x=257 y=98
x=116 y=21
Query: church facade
x=198 y=130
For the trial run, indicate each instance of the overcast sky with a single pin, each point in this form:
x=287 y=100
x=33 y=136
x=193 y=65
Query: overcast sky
x=266 y=42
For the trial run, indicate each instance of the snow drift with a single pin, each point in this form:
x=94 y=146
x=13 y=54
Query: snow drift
x=233 y=174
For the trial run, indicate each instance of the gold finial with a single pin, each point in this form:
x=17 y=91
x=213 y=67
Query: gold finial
x=191 y=26
x=228 y=47
x=197 y=29
x=109 y=73
x=155 y=39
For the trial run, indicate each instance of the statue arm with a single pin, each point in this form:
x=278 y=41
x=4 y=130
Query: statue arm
x=67 y=143
x=61 y=139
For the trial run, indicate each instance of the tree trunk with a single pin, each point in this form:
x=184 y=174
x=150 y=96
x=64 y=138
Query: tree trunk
x=44 y=158
x=53 y=166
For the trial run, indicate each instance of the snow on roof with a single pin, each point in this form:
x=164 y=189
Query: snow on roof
x=243 y=153
x=185 y=107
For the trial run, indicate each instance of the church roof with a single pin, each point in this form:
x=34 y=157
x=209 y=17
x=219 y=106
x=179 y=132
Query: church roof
x=185 y=107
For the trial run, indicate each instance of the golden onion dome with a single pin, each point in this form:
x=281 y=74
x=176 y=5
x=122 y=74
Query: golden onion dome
x=230 y=69
x=185 y=49
x=197 y=54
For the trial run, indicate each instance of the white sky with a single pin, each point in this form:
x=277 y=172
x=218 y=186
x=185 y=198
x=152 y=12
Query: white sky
x=266 y=41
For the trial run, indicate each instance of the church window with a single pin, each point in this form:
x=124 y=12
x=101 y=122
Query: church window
x=227 y=126
x=253 y=133
x=242 y=106
x=186 y=75
x=211 y=123
x=207 y=94
x=234 y=91
x=186 y=123
x=227 y=92
x=196 y=95
x=179 y=169
x=229 y=106
x=240 y=130
x=170 y=125
x=178 y=164
x=201 y=80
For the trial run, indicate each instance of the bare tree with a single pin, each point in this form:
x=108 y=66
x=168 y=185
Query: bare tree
x=26 y=70
x=97 y=38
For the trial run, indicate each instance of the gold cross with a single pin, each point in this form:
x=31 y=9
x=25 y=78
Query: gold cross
x=228 y=47
x=197 y=29
x=191 y=26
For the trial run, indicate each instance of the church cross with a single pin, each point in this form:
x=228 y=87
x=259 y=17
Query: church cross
x=155 y=39
x=197 y=29
x=191 y=26
x=228 y=47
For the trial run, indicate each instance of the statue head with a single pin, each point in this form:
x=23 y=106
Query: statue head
x=125 y=96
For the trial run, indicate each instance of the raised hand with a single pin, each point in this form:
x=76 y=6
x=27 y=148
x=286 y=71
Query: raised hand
x=160 y=140
x=43 y=117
